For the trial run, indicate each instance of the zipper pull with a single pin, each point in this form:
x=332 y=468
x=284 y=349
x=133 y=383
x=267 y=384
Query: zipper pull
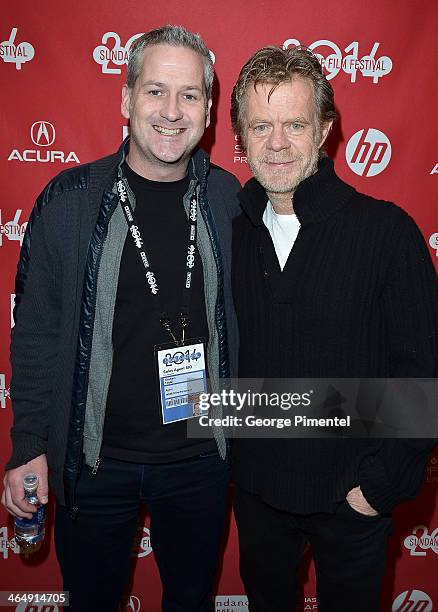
x=96 y=466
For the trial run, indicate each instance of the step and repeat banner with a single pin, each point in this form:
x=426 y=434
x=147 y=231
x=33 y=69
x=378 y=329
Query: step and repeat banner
x=62 y=67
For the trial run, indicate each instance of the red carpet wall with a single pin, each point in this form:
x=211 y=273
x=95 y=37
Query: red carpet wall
x=62 y=66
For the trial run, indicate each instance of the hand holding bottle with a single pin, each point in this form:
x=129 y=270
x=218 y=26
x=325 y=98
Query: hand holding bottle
x=30 y=532
x=13 y=497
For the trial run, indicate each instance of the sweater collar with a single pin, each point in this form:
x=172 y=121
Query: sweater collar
x=318 y=197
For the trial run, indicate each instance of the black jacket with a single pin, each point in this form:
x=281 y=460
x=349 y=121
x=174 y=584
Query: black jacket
x=55 y=305
x=357 y=299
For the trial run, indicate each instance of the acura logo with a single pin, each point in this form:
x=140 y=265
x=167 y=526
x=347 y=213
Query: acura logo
x=42 y=133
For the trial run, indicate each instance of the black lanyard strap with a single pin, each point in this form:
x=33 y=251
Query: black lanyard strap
x=150 y=276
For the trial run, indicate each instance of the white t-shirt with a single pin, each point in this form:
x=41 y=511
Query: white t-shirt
x=284 y=231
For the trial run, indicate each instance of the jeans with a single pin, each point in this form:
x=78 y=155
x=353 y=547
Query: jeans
x=187 y=501
x=348 y=551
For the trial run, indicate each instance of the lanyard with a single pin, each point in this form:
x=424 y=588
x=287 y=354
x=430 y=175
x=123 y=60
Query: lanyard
x=151 y=279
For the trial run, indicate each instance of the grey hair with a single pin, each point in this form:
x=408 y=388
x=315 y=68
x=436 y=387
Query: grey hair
x=176 y=36
x=273 y=66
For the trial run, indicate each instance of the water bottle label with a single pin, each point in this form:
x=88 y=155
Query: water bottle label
x=32 y=528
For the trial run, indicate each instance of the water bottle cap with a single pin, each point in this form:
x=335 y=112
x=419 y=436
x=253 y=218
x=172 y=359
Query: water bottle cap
x=30 y=482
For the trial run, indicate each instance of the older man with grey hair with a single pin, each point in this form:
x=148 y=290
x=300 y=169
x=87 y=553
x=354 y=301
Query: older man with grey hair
x=123 y=304
x=337 y=285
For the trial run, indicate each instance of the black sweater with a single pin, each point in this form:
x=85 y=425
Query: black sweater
x=357 y=298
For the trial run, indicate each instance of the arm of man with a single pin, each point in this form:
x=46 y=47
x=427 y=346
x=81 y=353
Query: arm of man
x=410 y=301
x=34 y=348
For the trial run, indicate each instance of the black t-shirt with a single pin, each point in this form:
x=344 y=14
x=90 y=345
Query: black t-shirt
x=133 y=429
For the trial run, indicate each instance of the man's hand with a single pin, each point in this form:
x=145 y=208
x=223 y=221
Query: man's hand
x=13 y=495
x=358 y=502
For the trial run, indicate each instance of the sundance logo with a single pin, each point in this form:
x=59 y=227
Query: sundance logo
x=412 y=601
x=43 y=134
x=113 y=52
x=17 y=54
x=333 y=61
x=421 y=541
x=368 y=152
x=231 y=603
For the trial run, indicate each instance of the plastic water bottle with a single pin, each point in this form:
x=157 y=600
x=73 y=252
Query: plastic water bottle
x=29 y=532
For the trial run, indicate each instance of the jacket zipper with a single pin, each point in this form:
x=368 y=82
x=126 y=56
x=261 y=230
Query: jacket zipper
x=75 y=508
x=96 y=466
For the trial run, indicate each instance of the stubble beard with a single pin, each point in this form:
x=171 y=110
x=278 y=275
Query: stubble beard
x=289 y=183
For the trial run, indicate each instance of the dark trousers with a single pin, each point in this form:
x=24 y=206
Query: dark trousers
x=348 y=551
x=187 y=502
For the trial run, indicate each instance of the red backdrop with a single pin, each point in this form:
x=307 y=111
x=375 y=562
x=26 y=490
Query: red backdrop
x=62 y=67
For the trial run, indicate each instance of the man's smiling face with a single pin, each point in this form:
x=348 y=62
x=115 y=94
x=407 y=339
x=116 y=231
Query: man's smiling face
x=168 y=112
